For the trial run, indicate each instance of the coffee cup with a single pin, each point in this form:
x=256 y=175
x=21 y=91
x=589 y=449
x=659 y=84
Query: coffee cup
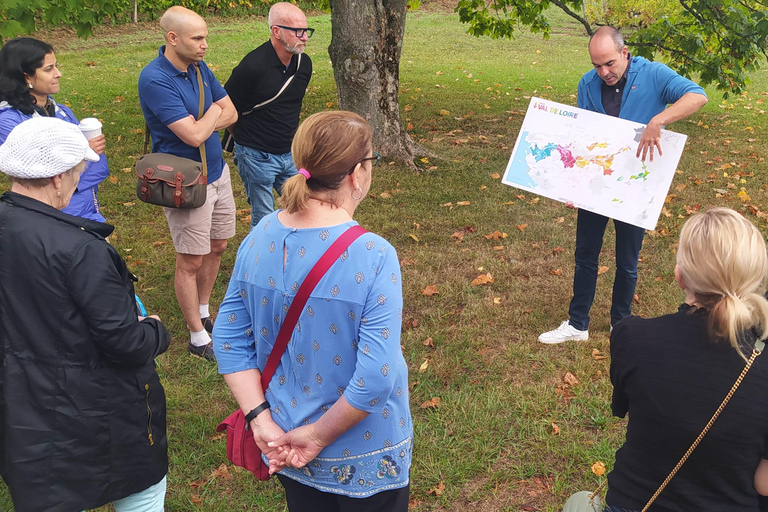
x=91 y=127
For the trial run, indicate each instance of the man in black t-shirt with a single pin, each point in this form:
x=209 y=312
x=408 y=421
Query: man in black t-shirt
x=267 y=88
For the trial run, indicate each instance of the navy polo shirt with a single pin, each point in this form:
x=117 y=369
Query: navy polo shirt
x=168 y=95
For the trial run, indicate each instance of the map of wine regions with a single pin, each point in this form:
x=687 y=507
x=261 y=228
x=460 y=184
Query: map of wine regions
x=588 y=159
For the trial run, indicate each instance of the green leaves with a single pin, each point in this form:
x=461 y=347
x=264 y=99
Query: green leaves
x=720 y=41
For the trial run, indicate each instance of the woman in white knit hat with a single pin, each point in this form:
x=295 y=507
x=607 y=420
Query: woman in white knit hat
x=82 y=411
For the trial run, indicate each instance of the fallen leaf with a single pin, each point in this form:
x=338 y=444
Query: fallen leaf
x=560 y=220
x=159 y=243
x=127 y=169
x=598 y=468
x=497 y=300
x=744 y=196
x=570 y=379
x=463 y=203
x=430 y=290
x=440 y=489
x=424 y=366
x=482 y=279
x=385 y=195
x=458 y=235
x=415 y=238
x=557 y=250
x=221 y=472
x=444 y=112
x=113 y=179
x=666 y=212
x=597 y=356
x=496 y=235
x=498 y=247
x=434 y=403
x=428 y=343
x=602 y=270
x=521 y=227
x=636 y=299
x=556 y=272
x=447 y=204
x=128 y=204
x=555 y=429
x=495 y=175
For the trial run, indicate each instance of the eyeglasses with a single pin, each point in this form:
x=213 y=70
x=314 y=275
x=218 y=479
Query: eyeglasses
x=374 y=159
x=299 y=31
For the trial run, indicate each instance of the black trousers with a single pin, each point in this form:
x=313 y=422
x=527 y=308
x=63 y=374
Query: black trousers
x=303 y=498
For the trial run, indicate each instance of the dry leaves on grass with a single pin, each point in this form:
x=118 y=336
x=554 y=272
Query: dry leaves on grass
x=482 y=279
x=424 y=366
x=495 y=235
x=556 y=272
x=570 y=379
x=433 y=403
x=430 y=290
x=597 y=355
x=555 y=429
x=602 y=270
x=437 y=490
x=521 y=227
x=429 y=343
x=598 y=468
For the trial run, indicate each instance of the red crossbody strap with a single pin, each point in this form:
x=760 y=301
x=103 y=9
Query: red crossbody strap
x=314 y=276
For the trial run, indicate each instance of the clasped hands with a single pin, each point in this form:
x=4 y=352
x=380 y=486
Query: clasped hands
x=294 y=449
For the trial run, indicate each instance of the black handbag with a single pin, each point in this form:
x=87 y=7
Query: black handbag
x=169 y=180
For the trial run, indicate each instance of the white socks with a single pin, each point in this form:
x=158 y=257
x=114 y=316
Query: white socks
x=198 y=339
x=204 y=311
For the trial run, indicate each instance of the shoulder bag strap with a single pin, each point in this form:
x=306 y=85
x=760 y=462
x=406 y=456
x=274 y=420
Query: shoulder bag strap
x=759 y=346
x=203 y=158
x=309 y=283
x=284 y=87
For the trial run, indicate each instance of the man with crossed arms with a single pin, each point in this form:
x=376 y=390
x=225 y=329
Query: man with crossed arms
x=635 y=89
x=169 y=95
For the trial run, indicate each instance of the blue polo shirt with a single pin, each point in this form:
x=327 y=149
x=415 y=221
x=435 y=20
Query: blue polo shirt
x=168 y=95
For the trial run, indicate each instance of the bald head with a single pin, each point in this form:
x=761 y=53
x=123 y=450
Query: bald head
x=608 y=33
x=284 y=13
x=178 y=19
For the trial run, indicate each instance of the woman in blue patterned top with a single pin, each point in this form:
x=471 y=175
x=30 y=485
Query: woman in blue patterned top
x=339 y=428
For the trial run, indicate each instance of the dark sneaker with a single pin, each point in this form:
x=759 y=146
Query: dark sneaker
x=204 y=351
x=208 y=324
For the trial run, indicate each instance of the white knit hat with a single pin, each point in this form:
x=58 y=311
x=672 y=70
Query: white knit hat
x=42 y=147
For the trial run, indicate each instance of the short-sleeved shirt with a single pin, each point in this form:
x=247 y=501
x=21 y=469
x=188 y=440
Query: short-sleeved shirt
x=670 y=377
x=346 y=342
x=168 y=95
x=258 y=78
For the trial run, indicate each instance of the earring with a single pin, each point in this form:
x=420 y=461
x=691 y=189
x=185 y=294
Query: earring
x=29 y=84
x=361 y=194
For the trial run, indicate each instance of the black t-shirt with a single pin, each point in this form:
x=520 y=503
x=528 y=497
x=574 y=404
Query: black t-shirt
x=257 y=78
x=671 y=378
x=610 y=95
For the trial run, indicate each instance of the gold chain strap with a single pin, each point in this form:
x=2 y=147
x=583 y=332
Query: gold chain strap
x=756 y=352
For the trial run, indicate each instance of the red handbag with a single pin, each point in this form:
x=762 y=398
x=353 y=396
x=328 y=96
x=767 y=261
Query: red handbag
x=242 y=449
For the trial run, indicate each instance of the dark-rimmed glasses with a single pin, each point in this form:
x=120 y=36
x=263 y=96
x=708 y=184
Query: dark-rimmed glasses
x=299 y=31
x=374 y=159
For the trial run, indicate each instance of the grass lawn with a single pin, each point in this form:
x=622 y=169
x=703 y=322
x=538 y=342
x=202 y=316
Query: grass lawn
x=509 y=433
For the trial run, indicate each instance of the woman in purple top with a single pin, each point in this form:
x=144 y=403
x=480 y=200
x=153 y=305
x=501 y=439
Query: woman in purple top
x=29 y=74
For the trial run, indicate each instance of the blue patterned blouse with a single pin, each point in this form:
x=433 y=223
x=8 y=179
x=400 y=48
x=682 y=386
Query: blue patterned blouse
x=347 y=341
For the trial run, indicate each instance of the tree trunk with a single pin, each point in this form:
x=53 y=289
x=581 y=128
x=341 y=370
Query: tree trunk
x=366 y=43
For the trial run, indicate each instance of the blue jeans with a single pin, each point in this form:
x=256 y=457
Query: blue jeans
x=151 y=499
x=590 y=228
x=261 y=172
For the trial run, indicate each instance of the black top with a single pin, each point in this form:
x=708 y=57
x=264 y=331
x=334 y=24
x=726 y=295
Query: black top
x=611 y=95
x=671 y=378
x=82 y=411
x=257 y=78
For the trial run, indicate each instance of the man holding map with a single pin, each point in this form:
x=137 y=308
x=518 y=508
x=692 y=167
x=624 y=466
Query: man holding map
x=638 y=90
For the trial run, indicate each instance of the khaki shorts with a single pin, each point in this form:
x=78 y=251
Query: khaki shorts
x=193 y=229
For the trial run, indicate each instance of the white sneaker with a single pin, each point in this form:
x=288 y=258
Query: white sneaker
x=566 y=332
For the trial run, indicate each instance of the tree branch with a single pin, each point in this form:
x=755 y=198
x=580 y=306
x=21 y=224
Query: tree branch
x=674 y=51
x=573 y=15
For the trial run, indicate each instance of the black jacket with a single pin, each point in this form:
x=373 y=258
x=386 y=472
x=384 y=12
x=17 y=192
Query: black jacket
x=82 y=411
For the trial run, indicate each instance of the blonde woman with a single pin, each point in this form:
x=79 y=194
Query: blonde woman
x=334 y=419
x=672 y=372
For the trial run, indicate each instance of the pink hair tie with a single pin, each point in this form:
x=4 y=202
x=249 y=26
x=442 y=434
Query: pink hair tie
x=305 y=173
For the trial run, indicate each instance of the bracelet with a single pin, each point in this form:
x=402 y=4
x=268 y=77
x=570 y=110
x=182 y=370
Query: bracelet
x=255 y=412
